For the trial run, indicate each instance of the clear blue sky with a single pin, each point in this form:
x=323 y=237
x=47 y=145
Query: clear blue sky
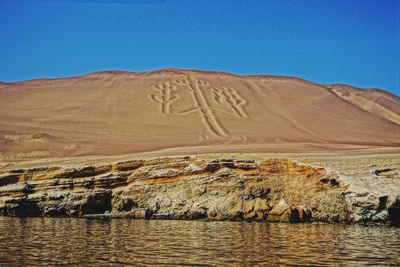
x=325 y=41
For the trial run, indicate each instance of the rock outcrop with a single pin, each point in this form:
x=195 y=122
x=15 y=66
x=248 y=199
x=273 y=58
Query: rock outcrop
x=186 y=187
x=283 y=213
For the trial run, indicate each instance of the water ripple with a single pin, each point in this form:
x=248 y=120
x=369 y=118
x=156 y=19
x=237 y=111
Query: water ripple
x=80 y=242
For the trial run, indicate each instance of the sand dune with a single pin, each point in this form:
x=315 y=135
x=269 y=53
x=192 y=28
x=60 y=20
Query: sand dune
x=113 y=112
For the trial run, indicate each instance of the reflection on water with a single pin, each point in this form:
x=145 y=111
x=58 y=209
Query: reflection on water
x=43 y=241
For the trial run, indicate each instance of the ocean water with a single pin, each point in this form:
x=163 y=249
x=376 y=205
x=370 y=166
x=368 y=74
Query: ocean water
x=123 y=242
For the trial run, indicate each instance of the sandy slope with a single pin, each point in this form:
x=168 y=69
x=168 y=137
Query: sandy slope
x=374 y=101
x=112 y=113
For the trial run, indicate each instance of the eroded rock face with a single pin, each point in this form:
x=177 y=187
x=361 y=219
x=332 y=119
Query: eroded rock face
x=195 y=187
x=283 y=213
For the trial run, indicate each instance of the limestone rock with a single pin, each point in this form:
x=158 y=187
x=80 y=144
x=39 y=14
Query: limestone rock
x=382 y=216
x=195 y=187
x=283 y=213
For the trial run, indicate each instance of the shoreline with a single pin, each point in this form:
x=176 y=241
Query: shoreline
x=107 y=218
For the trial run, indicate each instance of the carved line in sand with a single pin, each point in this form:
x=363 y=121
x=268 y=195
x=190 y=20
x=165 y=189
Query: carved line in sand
x=222 y=95
x=165 y=96
x=201 y=105
x=229 y=97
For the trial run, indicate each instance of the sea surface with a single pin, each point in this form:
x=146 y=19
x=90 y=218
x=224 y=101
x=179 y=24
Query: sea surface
x=84 y=242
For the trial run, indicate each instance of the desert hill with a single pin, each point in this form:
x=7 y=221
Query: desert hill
x=114 y=112
x=375 y=101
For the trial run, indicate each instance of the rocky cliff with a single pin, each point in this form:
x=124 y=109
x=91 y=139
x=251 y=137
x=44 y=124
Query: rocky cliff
x=209 y=187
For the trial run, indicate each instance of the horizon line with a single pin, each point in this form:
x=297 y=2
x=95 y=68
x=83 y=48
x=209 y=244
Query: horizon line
x=116 y=71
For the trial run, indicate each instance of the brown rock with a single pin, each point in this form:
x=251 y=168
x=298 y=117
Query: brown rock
x=261 y=205
x=283 y=213
x=136 y=214
x=304 y=214
x=249 y=216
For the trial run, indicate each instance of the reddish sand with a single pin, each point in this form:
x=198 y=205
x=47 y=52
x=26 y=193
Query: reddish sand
x=113 y=113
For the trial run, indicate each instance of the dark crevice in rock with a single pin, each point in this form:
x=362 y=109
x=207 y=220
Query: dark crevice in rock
x=379 y=172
